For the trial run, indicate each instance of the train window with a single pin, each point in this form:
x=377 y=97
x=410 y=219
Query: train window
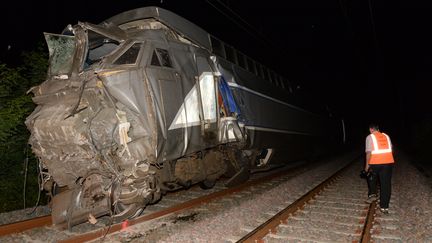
x=230 y=54
x=155 y=59
x=282 y=83
x=260 y=70
x=275 y=79
x=241 y=60
x=164 y=57
x=266 y=74
x=160 y=57
x=99 y=46
x=272 y=77
x=286 y=85
x=251 y=65
x=290 y=88
x=217 y=46
x=130 y=56
x=61 y=51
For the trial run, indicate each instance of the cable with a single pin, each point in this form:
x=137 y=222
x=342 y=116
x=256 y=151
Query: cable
x=257 y=34
x=373 y=23
x=229 y=17
x=25 y=176
x=40 y=179
x=238 y=16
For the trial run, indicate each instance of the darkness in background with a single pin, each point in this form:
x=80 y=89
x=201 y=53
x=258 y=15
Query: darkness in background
x=369 y=60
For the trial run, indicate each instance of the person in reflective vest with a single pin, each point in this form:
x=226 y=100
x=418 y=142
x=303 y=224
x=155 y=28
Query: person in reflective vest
x=379 y=164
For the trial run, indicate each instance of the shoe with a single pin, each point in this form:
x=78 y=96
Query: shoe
x=371 y=198
x=384 y=210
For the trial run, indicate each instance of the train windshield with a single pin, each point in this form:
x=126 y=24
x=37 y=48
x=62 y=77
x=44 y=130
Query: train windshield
x=61 y=52
x=99 y=46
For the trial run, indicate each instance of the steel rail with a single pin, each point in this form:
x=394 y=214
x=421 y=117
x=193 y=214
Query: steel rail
x=270 y=225
x=366 y=234
x=179 y=207
x=17 y=227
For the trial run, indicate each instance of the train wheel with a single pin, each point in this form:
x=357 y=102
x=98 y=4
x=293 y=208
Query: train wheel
x=123 y=205
x=123 y=212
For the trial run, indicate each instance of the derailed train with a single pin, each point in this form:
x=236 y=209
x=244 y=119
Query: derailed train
x=147 y=102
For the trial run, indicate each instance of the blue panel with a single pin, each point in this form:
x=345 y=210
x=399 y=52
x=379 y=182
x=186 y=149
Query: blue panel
x=228 y=97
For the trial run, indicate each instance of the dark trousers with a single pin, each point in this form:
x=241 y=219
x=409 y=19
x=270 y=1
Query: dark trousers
x=383 y=173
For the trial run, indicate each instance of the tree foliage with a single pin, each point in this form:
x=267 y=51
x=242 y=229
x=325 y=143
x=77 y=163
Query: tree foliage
x=15 y=106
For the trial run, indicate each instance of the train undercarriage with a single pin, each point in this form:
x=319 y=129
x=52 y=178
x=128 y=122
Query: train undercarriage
x=99 y=194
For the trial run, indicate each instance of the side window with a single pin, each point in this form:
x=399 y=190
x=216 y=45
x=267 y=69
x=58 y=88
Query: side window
x=164 y=57
x=99 y=46
x=266 y=74
x=230 y=54
x=273 y=78
x=160 y=57
x=155 y=59
x=130 y=56
x=281 y=82
x=260 y=70
x=241 y=60
x=217 y=46
x=251 y=66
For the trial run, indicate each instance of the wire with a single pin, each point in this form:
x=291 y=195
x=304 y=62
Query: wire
x=238 y=16
x=373 y=23
x=40 y=180
x=258 y=35
x=25 y=176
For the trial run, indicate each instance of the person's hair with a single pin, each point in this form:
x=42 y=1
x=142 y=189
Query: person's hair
x=374 y=126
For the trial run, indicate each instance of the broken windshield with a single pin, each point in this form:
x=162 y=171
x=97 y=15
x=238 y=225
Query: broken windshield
x=61 y=52
x=98 y=47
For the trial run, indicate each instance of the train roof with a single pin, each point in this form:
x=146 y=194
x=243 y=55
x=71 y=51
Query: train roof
x=202 y=38
x=172 y=20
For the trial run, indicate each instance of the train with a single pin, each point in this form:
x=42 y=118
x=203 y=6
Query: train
x=147 y=102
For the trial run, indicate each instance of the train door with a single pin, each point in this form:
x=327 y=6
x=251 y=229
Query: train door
x=184 y=98
x=164 y=77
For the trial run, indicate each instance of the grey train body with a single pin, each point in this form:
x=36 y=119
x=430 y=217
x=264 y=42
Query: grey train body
x=144 y=103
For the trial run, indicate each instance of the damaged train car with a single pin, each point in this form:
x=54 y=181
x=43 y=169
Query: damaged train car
x=147 y=102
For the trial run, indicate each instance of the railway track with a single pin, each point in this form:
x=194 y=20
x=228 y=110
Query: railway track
x=334 y=211
x=170 y=203
x=171 y=206
x=21 y=226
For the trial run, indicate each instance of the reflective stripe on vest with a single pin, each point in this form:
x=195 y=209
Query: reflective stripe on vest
x=376 y=149
x=382 y=149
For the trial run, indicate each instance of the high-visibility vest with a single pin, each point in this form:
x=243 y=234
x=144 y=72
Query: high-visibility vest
x=381 y=149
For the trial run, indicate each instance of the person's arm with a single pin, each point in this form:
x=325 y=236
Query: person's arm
x=368 y=155
x=368 y=152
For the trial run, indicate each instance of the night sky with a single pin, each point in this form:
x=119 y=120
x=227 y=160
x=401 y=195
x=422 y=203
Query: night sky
x=370 y=60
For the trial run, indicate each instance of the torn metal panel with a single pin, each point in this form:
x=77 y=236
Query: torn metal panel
x=177 y=23
x=108 y=29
